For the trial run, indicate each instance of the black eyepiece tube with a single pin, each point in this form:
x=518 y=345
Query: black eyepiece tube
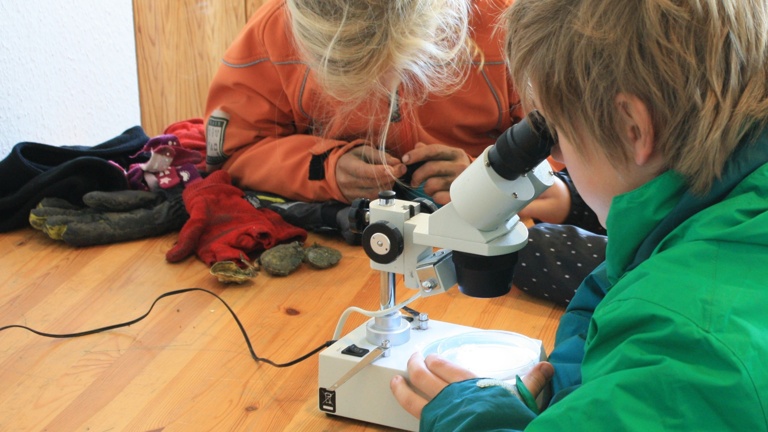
x=522 y=147
x=484 y=276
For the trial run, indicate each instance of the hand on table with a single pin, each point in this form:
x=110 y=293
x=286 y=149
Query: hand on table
x=431 y=375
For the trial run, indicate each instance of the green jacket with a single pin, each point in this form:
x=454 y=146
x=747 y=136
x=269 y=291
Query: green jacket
x=670 y=333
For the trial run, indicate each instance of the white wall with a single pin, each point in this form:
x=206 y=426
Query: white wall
x=68 y=71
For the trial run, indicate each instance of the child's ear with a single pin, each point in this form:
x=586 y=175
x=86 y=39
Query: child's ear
x=637 y=127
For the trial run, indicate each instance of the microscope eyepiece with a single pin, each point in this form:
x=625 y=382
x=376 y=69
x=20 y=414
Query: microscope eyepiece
x=521 y=147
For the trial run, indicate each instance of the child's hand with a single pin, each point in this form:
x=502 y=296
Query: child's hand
x=552 y=206
x=441 y=165
x=360 y=173
x=431 y=375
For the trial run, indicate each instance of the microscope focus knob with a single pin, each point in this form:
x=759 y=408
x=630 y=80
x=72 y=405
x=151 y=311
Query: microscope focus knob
x=382 y=242
x=358 y=215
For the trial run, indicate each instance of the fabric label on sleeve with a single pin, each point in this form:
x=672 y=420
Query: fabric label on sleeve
x=214 y=140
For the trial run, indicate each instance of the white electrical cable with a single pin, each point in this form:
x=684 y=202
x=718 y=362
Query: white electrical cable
x=371 y=314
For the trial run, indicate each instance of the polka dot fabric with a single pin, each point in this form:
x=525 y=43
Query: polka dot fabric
x=556 y=260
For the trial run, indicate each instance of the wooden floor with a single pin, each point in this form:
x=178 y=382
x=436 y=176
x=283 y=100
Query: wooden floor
x=186 y=366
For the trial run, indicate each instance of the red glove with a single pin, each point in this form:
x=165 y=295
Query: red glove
x=223 y=225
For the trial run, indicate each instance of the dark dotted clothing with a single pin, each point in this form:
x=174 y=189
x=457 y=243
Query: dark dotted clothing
x=559 y=256
x=556 y=260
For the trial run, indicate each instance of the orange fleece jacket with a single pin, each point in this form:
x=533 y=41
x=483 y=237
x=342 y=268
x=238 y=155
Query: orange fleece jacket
x=263 y=103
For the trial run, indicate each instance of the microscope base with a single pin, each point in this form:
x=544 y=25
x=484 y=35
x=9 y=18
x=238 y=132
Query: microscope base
x=366 y=396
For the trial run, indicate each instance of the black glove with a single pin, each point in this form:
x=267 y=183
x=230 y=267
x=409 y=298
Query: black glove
x=330 y=217
x=111 y=217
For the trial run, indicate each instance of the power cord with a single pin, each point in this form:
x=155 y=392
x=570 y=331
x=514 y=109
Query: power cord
x=371 y=314
x=169 y=294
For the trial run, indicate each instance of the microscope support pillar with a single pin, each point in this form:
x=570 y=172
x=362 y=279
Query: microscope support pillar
x=390 y=329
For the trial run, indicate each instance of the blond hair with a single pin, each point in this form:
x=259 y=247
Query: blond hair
x=701 y=67
x=422 y=45
x=382 y=54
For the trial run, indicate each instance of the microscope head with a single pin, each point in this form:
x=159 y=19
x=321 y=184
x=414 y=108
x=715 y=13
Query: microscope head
x=517 y=152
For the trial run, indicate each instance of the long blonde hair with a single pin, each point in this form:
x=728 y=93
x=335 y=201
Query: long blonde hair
x=382 y=54
x=349 y=44
x=701 y=67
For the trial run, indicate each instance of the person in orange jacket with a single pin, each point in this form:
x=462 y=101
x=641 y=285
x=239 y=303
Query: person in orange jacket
x=311 y=89
x=323 y=101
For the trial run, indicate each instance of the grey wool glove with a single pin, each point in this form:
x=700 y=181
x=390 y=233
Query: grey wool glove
x=110 y=217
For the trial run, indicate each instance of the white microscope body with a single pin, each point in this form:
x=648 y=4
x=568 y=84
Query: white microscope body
x=433 y=251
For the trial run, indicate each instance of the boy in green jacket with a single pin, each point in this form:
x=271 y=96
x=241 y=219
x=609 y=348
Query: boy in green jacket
x=660 y=109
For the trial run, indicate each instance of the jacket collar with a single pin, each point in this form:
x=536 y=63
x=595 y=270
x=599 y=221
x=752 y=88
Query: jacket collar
x=640 y=219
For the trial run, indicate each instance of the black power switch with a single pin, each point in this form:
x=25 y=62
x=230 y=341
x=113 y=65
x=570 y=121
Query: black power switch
x=355 y=350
